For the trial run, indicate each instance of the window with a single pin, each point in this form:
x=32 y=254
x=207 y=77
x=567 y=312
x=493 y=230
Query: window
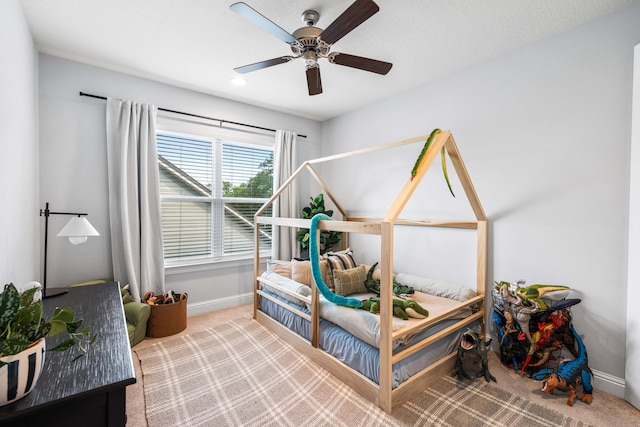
x=209 y=191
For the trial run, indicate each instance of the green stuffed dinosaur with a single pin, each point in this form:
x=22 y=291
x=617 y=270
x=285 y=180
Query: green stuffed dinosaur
x=374 y=285
x=402 y=308
x=535 y=293
x=471 y=343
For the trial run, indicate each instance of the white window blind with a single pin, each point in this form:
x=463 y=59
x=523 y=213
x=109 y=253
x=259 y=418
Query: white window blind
x=209 y=192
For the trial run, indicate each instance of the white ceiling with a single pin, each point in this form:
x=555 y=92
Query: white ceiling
x=196 y=43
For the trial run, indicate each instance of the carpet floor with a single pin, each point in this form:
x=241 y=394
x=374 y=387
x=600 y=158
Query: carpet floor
x=216 y=375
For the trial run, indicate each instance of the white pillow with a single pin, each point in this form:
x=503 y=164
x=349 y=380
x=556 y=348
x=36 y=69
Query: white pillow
x=289 y=284
x=439 y=288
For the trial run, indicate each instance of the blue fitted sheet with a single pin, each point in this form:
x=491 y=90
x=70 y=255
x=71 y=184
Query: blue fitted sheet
x=356 y=353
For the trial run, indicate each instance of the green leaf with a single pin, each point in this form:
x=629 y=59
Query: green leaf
x=64 y=345
x=57 y=326
x=27 y=298
x=9 y=305
x=63 y=314
x=13 y=346
x=73 y=327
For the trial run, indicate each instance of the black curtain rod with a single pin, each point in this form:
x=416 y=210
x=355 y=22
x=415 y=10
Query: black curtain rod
x=222 y=121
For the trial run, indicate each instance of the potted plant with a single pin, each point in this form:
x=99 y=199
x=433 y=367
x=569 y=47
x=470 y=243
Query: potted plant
x=328 y=239
x=23 y=328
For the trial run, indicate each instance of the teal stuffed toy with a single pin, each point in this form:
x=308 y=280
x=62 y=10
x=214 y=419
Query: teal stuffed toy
x=315 y=267
x=402 y=308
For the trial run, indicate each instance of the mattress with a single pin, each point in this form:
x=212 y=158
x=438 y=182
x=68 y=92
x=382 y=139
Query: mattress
x=358 y=354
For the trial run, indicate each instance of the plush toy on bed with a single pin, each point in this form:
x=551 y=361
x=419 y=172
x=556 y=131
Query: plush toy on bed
x=403 y=308
x=471 y=343
x=373 y=285
x=315 y=267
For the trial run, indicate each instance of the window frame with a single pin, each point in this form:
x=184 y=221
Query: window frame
x=170 y=124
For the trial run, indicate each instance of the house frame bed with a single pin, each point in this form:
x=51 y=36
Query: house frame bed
x=382 y=394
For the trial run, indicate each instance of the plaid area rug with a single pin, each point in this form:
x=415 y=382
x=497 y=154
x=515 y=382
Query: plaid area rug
x=241 y=374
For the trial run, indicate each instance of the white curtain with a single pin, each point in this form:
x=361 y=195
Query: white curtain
x=284 y=245
x=134 y=197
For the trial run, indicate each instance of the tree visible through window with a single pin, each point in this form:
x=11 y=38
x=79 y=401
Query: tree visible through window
x=209 y=192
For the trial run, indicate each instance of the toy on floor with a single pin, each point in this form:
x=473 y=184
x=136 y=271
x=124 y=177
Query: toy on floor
x=472 y=344
x=570 y=374
x=402 y=308
x=533 y=322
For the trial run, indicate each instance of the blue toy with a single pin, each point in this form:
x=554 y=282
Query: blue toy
x=569 y=375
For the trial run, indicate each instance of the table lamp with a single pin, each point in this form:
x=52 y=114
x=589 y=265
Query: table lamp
x=77 y=230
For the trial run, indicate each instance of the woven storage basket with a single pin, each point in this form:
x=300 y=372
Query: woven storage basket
x=167 y=319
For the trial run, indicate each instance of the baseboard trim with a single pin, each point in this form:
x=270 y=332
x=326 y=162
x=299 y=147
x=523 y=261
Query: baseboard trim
x=219 y=303
x=608 y=383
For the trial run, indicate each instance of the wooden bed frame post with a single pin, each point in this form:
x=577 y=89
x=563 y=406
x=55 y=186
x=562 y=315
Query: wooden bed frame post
x=481 y=274
x=386 y=317
x=256 y=264
x=315 y=307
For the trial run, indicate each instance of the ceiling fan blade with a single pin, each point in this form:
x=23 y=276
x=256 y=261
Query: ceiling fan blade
x=261 y=21
x=366 y=64
x=356 y=14
x=262 y=64
x=314 y=83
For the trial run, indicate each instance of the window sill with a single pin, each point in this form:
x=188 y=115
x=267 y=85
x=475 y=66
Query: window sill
x=210 y=264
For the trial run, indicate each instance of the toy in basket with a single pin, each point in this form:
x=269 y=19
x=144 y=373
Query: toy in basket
x=168 y=313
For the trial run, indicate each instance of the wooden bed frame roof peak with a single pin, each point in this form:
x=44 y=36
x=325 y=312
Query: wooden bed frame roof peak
x=443 y=139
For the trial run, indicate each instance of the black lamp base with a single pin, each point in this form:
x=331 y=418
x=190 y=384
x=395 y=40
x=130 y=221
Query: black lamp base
x=52 y=292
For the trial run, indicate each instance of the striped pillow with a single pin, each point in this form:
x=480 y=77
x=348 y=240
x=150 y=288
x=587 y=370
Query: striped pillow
x=342 y=260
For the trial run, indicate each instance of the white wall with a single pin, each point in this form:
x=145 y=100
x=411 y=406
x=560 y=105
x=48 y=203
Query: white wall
x=19 y=215
x=632 y=369
x=74 y=170
x=545 y=134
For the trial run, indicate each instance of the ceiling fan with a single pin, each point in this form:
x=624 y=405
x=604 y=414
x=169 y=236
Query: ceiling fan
x=312 y=43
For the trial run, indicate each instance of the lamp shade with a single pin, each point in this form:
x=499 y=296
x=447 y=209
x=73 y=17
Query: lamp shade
x=77 y=230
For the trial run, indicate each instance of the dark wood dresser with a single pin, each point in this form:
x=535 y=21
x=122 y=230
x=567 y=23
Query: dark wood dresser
x=91 y=390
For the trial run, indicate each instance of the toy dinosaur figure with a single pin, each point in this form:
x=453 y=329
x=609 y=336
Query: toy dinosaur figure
x=471 y=343
x=402 y=308
x=515 y=311
x=535 y=292
x=569 y=375
x=374 y=285
x=427 y=144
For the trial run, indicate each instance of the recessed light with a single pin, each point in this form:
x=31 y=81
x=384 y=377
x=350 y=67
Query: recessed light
x=238 y=81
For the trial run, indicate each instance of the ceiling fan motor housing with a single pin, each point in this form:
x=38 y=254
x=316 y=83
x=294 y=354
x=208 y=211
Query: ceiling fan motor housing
x=308 y=42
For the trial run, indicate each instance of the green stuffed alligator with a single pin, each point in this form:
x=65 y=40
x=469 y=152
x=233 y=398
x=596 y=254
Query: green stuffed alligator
x=402 y=308
x=373 y=285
